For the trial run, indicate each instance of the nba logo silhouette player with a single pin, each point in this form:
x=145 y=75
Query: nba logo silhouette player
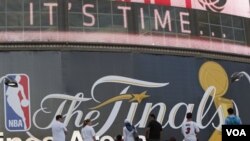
x=17 y=103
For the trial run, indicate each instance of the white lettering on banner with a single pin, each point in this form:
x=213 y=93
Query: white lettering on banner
x=31 y=14
x=72 y=111
x=15 y=123
x=184 y=22
x=91 y=16
x=165 y=20
x=124 y=11
x=50 y=5
x=236 y=132
x=241 y=8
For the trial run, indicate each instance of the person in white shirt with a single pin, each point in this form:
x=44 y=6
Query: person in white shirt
x=88 y=132
x=58 y=129
x=190 y=129
x=128 y=131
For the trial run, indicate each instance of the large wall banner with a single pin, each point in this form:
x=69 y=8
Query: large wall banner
x=111 y=87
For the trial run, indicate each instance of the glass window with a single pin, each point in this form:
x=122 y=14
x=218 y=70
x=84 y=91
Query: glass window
x=15 y=19
x=202 y=16
x=215 y=31
x=75 y=19
x=203 y=29
x=76 y=6
x=105 y=20
x=239 y=35
x=227 y=33
x=104 y=6
x=2 y=20
x=237 y=22
x=14 y=5
x=2 y=5
x=214 y=18
x=226 y=20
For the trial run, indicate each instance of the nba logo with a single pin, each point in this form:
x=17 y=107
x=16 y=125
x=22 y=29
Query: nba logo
x=17 y=102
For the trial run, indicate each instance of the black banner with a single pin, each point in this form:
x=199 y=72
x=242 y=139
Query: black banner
x=236 y=132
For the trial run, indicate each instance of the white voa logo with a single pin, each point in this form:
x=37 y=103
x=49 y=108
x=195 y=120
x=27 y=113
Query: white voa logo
x=213 y=5
x=236 y=132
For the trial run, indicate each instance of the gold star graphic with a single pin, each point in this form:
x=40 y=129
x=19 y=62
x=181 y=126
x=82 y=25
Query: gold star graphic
x=139 y=97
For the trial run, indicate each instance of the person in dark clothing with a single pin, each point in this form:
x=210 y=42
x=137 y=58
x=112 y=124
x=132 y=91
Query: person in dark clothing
x=119 y=138
x=153 y=130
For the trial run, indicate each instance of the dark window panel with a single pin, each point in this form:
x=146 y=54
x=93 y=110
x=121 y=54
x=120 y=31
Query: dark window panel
x=214 y=18
x=2 y=5
x=115 y=9
x=90 y=2
x=76 y=6
x=202 y=16
x=155 y=7
x=36 y=5
x=172 y=13
x=105 y=20
x=237 y=22
x=104 y=6
x=145 y=9
x=215 y=31
x=178 y=27
x=203 y=29
x=227 y=33
x=118 y=20
x=177 y=12
x=2 y=19
x=15 y=19
x=75 y=20
x=239 y=35
x=14 y=5
x=152 y=24
x=226 y=20
x=173 y=27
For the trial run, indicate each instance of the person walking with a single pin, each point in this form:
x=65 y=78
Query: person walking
x=88 y=132
x=59 y=130
x=153 y=130
x=232 y=119
x=129 y=131
x=190 y=129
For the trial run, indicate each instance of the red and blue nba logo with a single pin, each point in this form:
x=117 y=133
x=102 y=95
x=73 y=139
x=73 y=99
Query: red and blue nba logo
x=17 y=102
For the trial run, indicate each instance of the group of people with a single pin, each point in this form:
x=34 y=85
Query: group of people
x=59 y=130
x=153 y=130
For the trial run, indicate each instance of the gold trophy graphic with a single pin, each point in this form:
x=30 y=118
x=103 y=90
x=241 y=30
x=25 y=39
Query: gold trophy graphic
x=213 y=74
